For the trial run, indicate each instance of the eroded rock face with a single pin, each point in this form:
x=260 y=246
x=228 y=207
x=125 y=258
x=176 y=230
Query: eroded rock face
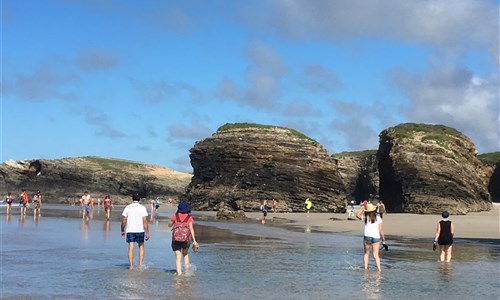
x=64 y=180
x=244 y=166
x=494 y=183
x=359 y=172
x=428 y=169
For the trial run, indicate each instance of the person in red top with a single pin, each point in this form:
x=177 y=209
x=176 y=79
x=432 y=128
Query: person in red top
x=23 y=197
x=181 y=249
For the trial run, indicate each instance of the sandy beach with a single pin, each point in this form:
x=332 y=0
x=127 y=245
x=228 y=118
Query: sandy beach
x=477 y=225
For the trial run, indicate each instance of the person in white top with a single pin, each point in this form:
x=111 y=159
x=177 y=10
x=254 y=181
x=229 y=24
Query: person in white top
x=135 y=227
x=373 y=233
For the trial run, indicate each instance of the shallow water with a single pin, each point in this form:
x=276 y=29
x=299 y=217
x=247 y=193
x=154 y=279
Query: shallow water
x=62 y=256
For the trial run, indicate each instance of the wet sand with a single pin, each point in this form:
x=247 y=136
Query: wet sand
x=477 y=225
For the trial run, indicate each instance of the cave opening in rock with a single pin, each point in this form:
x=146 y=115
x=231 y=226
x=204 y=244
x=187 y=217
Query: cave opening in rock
x=390 y=189
x=494 y=184
x=364 y=188
x=37 y=165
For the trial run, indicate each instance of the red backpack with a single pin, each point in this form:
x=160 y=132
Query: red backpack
x=180 y=231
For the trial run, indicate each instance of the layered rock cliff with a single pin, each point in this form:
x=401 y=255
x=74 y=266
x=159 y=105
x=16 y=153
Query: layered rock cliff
x=62 y=180
x=359 y=172
x=491 y=169
x=428 y=169
x=242 y=164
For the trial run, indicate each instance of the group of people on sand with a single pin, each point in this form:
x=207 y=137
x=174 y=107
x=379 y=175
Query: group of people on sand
x=24 y=202
x=373 y=235
x=134 y=227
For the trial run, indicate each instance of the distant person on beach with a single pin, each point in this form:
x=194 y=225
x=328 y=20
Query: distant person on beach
x=182 y=235
x=381 y=208
x=85 y=204
x=275 y=205
x=157 y=204
x=37 y=203
x=373 y=233
x=263 y=209
x=307 y=205
x=23 y=201
x=135 y=227
x=444 y=237
x=107 y=204
x=364 y=203
x=9 y=199
x=152 y=203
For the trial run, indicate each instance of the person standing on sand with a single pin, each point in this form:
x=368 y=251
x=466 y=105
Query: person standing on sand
x=275 y=205
x=307 y=205
x=181 y=219
x=444 y=237
x=135 y=227
x=107 y=204
x=381 y=208
x=263 y=209
x=373 y=232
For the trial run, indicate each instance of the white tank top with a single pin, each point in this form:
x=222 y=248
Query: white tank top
x=371 y=229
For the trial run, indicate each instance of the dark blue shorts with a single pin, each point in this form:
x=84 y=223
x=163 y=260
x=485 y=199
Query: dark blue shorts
x=135 y=237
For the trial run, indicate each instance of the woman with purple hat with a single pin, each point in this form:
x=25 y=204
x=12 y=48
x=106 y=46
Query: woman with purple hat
x=182 y=234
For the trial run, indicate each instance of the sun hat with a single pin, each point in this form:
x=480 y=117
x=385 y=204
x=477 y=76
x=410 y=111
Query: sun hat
x=184 y=207
x=370 y=207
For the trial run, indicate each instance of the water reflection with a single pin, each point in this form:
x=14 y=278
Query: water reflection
x=7 y=218
x=36 y=219
x=372 y=284
x=22 y=220
x=106 y=227
x=84 y=229
x=446 y=271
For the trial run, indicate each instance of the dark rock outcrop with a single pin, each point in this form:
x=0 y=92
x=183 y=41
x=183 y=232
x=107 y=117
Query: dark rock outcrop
x=494 y=184
x=242 y=166
x=428 y=169
x=226 y=212
x=359 y=172
x=491 y=169
x=64 y=180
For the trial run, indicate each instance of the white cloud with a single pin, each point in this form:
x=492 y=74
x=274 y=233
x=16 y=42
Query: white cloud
x=450 y=25
x=457 y=98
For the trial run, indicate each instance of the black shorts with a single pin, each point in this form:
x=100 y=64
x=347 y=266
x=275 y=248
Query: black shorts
x=178 y=246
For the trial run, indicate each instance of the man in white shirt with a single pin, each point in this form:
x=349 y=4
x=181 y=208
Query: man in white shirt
x=135 y=227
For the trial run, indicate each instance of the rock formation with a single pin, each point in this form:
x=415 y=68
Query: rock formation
x=359 y=172
x=242 y=164
x=428 y=169
x=64 y=180
x=491 y=169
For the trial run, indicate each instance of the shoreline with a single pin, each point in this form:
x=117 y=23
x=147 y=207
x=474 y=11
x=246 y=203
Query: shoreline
x=475 y=225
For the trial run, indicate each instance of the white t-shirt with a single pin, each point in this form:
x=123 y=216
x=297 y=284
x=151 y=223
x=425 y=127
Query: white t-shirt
x=134 y=213
x=371 y=229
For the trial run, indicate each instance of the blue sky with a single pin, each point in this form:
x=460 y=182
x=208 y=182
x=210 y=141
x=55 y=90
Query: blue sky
x=145 y=80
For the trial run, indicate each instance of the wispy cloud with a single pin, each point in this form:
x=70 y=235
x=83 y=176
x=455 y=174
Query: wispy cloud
x=44 y=83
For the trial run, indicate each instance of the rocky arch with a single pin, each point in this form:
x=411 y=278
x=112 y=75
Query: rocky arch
x=364 y=187
x=390 y=189
x=494 y=184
